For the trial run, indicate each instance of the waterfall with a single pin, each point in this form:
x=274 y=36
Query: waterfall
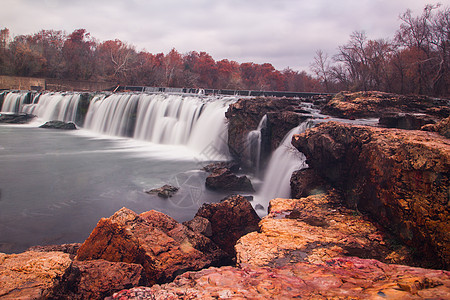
x=112 y=115
x=197 y=122
x=14 y=102
x=253 y=144
x=54 y=106
x=284 y=161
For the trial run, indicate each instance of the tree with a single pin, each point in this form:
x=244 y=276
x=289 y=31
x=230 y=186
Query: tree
x=78 y=53
x=5 y=66
x=321 y=67
x=427 y=38
x=173 y=69
x=115 y=60
x=27 y=60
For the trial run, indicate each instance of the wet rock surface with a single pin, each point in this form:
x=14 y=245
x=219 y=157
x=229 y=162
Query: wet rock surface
x=405 y=121
x=340 y=278
x=245 y=115
x=165 y=191
x=399 y=177
x=9 y=118
x=222 y=179
x=373 y=104
x=59 y=125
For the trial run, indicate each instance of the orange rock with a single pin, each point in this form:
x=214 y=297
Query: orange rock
x=343 y=278
x=400 y=177
x=31 y=275
x=128 y=237
x=313 y=229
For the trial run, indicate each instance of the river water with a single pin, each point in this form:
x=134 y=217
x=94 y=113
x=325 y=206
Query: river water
x=56 y=185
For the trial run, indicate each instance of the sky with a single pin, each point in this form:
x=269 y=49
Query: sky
x=285 y=33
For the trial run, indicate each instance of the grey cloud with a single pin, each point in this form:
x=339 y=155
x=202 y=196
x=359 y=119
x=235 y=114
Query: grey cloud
x=283 y=32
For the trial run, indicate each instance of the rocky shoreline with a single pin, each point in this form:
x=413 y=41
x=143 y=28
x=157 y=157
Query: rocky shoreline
x=369 y=218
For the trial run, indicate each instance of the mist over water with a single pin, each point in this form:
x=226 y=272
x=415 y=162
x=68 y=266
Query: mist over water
x=56 y=185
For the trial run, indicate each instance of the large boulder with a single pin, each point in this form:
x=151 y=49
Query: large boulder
x=230 y=219
x=399 y=177
x=314 y=229
x=374 y=104
x=97 y=279
x=223 y=179
x=340 y=278
x=31 y=275
x=132 y=238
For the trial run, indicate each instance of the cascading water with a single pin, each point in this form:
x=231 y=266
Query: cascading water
x=14 y=101
x=284 y=161
x=54 y=106
x=194 y=121
x=253 y=144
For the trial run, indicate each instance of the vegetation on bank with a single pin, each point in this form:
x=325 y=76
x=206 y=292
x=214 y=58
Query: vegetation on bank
x=416 y=60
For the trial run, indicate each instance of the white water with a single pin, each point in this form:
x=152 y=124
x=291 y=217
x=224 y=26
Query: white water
x=54 y=106
x=193 y=121
x=284 y=161
x=47 y=107
x=253 y=144
x=13 y=102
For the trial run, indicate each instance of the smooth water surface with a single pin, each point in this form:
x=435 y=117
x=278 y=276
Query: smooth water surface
x=56 y=185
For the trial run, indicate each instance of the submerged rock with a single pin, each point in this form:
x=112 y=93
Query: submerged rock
x=10 y=118
x=223 y=180
x=340 y=278
x=165 y=191
x=231 y=165
x=400 y=177
x=59 y=125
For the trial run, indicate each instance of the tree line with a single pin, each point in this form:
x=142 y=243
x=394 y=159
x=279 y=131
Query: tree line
x=416 y=60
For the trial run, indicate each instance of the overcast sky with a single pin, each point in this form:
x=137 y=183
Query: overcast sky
x=286 y=33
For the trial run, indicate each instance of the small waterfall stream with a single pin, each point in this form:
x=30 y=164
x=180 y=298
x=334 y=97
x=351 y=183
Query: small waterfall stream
x=284 y=161
x=253 y=145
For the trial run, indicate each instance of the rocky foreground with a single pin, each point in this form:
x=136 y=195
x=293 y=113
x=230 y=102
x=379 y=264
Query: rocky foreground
x=369 y=219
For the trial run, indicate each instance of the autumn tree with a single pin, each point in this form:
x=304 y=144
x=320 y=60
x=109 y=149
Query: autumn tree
x=116 y=60
x=5 y=67
x=26 y=57
x=78 y=53
x=228 y=76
